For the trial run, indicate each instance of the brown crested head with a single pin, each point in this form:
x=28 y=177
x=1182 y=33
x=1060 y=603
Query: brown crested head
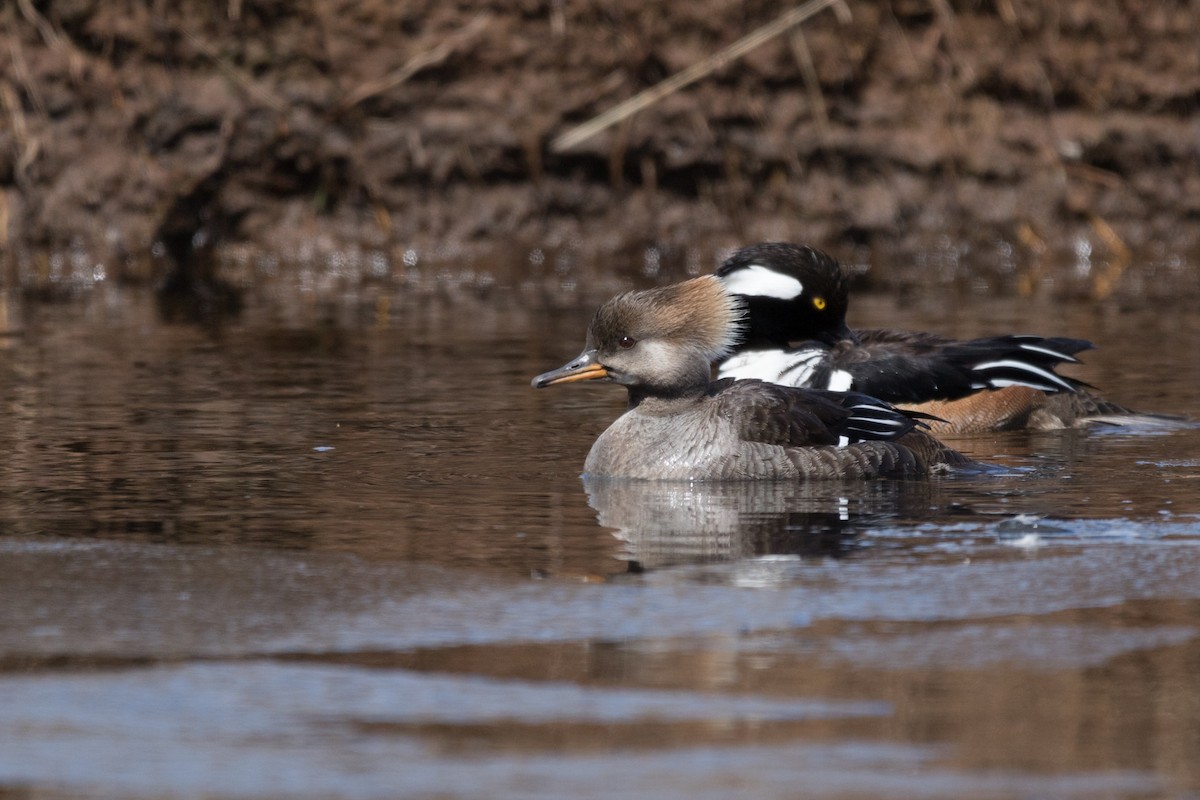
x=658 y=342
x=697 y=314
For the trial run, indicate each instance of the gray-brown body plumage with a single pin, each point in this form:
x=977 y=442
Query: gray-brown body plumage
x=679 y=426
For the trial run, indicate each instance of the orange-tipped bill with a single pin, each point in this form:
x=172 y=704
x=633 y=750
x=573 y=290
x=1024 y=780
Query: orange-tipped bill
x=584 y=368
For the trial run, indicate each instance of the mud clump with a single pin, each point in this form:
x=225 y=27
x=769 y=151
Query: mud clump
x=137 y=134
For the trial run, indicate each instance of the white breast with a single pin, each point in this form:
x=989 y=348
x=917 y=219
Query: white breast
x=785 y=367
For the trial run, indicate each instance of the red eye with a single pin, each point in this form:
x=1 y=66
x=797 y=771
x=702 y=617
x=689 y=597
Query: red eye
x=627 y=342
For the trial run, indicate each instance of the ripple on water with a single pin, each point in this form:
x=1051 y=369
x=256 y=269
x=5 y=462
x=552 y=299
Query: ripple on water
x=899 y=638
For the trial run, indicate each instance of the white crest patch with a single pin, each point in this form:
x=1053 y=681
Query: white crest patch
x=759 y=281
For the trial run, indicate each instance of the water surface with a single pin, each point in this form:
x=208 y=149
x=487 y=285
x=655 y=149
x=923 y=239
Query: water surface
x=338 y=547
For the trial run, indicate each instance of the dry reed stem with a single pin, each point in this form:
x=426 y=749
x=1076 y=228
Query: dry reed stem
x=53 y=39
x=20 y=71
x=1033 y=241
x=3 y=225
x=684 y=78
x=558 y=19
x=420 y=61
x=943 y=10
x=49 y=35
x=1007 y=12
x=1106 y=280
x=1097 y=175
x=28 y=146
x=803 y=56
x=248 y=83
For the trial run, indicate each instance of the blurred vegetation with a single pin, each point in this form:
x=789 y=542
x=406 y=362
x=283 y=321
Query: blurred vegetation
x=1036 y=142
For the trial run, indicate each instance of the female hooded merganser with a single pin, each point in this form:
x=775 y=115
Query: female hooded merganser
x=796 y=335
x=660 y=343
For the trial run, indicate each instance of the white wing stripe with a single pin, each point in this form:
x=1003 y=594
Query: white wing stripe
x=1052 y=353
x=1001 y=383
x=1021 y=366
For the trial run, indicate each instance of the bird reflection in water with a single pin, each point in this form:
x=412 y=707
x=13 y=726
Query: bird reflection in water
x=667 y=524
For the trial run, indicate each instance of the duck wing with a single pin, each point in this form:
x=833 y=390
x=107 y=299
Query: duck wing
x=905 y=367
x=771 y=414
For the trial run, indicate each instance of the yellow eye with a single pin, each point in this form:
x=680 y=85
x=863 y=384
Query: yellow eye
x=819 y=303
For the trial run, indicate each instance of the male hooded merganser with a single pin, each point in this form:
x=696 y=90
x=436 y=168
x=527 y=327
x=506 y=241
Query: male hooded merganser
x=796 y=335
x=660 y=343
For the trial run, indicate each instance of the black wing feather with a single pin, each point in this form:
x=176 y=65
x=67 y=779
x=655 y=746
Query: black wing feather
x=913 y=368
x=781 y=415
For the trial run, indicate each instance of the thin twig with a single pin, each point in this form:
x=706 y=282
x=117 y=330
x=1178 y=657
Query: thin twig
x=690 y=75
x=1007 y=12
x=54 y=40
x=422 y=60
x=808 y=69
x=20 y=71
x=49 y=35
x=28 y=146
x=1087 y=172
x=248 y=83
x=943 y=9
x=1106 y=280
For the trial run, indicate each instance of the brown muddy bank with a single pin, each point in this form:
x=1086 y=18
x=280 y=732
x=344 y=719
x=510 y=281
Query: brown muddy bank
x=1036 y=142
